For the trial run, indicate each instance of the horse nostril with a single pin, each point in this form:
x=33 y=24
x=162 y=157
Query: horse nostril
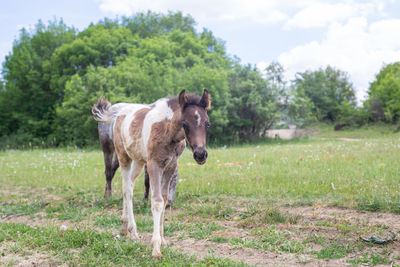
x=199 y=155
x=202 y=155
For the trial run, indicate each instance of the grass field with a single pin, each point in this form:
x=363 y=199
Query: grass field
x=285 y=203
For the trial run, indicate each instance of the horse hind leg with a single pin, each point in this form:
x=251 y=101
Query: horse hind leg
x=146 y=184
x=172 y=188
x=166 y=183
x=113 y=169
x=108 y=160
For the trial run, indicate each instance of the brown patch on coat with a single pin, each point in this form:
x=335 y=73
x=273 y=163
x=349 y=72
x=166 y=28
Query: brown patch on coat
x=123 y=157
x=161 y=144
x=173 y=103
x=135 y=129
x=135 y=133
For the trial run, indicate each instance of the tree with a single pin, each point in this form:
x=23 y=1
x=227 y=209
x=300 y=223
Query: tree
x=28 y=99
x=53 y=76
x=150 y=24
x=324 y=91
x=384 y=94
x=153 y=68
x=253 y=104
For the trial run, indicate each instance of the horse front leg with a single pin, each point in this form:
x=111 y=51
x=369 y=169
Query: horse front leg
x=157 y=206
x=129 y=175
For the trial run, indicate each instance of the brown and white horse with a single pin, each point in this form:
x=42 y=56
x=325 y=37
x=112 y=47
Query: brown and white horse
x=155 y=135
x=111 y=160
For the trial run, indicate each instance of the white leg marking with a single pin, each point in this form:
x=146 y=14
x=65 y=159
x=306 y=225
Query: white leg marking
x=157 y=208
x=125 y=187
x=129 y=176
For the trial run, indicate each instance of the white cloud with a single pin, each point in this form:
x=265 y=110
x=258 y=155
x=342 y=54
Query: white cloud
x=321 y=14
x=356 y=47
x=257 y=11
x=293 y=14
x=351 y=42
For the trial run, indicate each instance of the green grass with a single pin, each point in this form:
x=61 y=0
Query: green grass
x=95 y=249
x=22 y=207
x=334 y=251
x=371 y=259
x=364 y=174
x=241 y=189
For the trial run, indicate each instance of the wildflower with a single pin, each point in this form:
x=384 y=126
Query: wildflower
x=63 y=228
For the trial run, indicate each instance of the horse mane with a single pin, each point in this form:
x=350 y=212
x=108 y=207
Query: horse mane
x=192 y=100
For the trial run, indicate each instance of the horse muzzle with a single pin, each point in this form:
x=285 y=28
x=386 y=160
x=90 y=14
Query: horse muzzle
x=200 y=155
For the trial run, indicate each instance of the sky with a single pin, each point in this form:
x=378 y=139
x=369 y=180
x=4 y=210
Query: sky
x=358 y=37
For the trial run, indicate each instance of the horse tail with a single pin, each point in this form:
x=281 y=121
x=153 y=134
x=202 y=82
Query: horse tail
x=102 y=111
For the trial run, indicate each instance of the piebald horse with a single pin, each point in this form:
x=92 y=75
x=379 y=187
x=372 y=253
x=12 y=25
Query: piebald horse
x=111 y=160
x=155 y=135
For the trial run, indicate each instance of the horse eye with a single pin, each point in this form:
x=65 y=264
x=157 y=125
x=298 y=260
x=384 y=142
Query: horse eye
x=207 y=124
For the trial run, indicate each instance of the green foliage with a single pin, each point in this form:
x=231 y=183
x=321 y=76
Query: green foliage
x=384 y=94
x=300 y=109
x=253 y=104
x=151 y=24
x=27 y=103
x=320 y=95
x=54 y=76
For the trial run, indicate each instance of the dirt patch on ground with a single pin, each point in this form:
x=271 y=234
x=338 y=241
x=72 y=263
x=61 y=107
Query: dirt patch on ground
x=31 y=192
x=309 y=223
x=205 y=248
x=350 y=139
x=289 y=133
x=25 y=258
x=313 y=214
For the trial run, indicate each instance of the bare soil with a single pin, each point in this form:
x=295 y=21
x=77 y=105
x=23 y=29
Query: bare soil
x=350 y=139
x=313 y=220
x=26 y=258
x=204 y=248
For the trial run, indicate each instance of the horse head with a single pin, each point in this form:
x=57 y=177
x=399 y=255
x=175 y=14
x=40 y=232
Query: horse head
x=195 y=122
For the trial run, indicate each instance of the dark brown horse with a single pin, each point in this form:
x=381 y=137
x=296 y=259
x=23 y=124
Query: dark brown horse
x=111 y=160
x=155 y=135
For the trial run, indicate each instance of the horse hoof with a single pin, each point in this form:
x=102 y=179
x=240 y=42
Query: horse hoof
x=133 y=236
x=107 y=193
x=156 y=254
x=124 y=228
x=164 y=242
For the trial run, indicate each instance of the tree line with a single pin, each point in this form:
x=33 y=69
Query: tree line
x=55 y=73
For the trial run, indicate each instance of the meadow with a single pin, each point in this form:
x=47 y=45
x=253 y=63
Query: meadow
x=300 y=202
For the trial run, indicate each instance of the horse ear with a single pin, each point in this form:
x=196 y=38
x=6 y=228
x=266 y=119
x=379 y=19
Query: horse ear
x=206 y=100
x=183 y=99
